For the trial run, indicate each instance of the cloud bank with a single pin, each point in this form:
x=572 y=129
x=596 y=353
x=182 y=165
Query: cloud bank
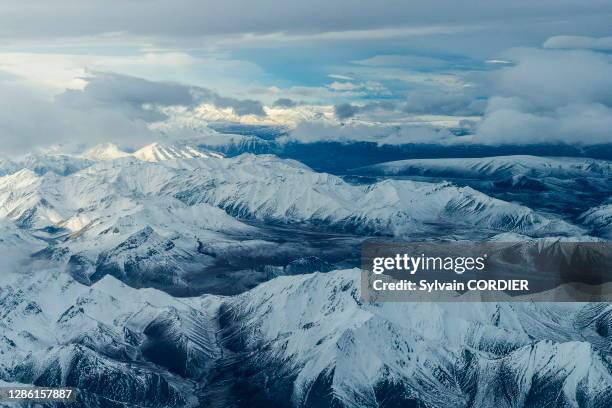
x=549 y=96
x=110 y=107
x=320 y=131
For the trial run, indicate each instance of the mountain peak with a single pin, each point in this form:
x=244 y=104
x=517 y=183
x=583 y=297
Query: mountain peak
x=156 y=152
x=106 y=151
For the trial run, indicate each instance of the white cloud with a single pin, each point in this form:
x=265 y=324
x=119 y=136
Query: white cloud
x=550 y=78
x=59 y=71
x=497 y=61
x=345 y=86
x=368 y=34
x=574 y=124
x=341 y=77
x=109 y=107
x=29 y=120
x=550 y=96
x=181 y=117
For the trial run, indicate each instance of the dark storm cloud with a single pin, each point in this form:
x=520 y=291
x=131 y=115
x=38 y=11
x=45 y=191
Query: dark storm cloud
x=442 y=101
x=285 y=103
x=345 y=110
x=240 y=106
x=139 y=97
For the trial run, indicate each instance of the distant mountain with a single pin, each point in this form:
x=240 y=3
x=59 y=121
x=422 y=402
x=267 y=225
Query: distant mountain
x=62 y=164
x=66 y=164
x=568 y=187
x=107 y=151
x=153 y=152
x=267 y=188
x=500 y=167
x=157 y=152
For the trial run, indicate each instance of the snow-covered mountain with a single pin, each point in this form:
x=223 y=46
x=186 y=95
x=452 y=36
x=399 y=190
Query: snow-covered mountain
x=600 y=218
x=492 y=168
x=303 y=341
x=97 y=226
x=106 y=340
x=234 y=145
x=65 y=164
x=107 y=151
x=160 y=223
x=87 y=245
x=311 y=338
x=157 y=152
x=267 y=188
x=62 y=164
x=153 y=152
x=571 y=188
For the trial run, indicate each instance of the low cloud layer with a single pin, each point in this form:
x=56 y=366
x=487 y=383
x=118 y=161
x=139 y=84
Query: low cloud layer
x=110 y=107
x=29 y=121
x=139 y=97
x=460 y=102
x=508 y=122
x=319 y=131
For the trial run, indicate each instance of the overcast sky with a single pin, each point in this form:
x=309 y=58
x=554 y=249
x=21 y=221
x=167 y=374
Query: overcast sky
x=511 y=72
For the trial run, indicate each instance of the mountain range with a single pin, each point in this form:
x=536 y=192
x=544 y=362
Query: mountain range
x=177 y=277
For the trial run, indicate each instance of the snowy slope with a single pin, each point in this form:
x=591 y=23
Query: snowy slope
x=16 y=246
x=297 y=341
x=31 y=201
x=315 y=333
x=107 y=151
x=157 y=152
x=148 y=223
x=66 y=164
x=263 y=187
x=599 y=218
x=268 y=188
x=61 y=164
x=104 y=339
